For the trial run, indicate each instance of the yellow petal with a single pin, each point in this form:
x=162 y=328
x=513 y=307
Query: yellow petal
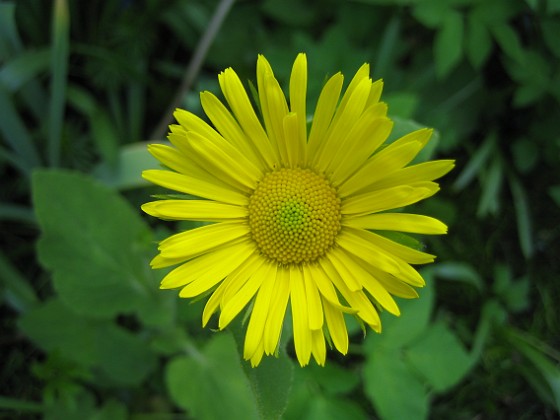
x=324 y=111
x=342 y=123
x=313 y=301
x=380 y=165
x=217 y=261
x=201 y=240
x=298 y=96
x=401 y=222
x=337 y=327
x=319 y=349
x=277 y=311
x=375 y=93
x=295 y=146
x=302 y=333
x=386 y=199
x=228 y=127
x=225 y=159
x=240 y=104
x=259 y=314
x=427 y=171
x=197 y=187
x=200 y=210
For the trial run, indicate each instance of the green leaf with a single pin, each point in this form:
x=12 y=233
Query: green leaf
x=21 y=69
x=525 y=154
x=491 y=185
x=196 y=381
x=453 y=362
x=459 y=271
x=477 y=161
x=16 y=134
x=9 y=38
x=132 y=159
x=19 y=294
x=414 y=319
x=523 y=216
x=59 y=72
x=432 y=13
x=509 y=41
x=394 y=390
x=548 y=370
x=479 y=41
x=95 y=244
x=323 y=408
x=448 y=45
x=120 y=356
x=554 y=192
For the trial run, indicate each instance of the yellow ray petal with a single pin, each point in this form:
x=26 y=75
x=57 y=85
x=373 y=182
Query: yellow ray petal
x=277 y=311
x=226 y=159
x=200 y=210
x=324 y=111
x=233 y=306
x=313 y=301
x=228 y=127
x=170 y=157
x=342 y=123
x=277 y=110
x=240 y=104
x=386 y=199
x=201 y=240
x=325 y=287
x=213 y=303
x=405 y=253
x=216 y=261
x=371 y=284
x=336 y=326
x=338 y=260
x=365 y=137
x=401 y=222
x=197 y=187
x=298 y=97
x=356 y=299
x=319 y=349
x=375 y=93
x=295 y=147
x=300 y=317
x=237 y=279
x=392 y=284
x=427 y=171
x=259 y=314
x=258 y=355
x=380 y=165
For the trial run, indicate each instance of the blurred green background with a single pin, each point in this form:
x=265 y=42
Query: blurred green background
x=85 y=332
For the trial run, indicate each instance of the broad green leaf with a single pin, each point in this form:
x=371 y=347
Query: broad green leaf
x=210 y=384
x=324 y=408
x=432 y=13
x=332 y=378
x=132 y=159
x=414 y=319
x=95 y=244
x=441 y=345
x=117 y=354
x=448 y=45
x=551 y=33
x=394 y=390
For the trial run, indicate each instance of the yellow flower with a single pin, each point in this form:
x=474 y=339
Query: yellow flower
x=297 y=216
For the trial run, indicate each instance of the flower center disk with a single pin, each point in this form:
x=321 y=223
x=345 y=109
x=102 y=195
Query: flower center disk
x=294 y=215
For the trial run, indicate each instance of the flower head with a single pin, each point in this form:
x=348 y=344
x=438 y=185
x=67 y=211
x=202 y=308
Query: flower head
x=296 y=217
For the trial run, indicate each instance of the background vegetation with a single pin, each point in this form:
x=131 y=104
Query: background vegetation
x=87 y=334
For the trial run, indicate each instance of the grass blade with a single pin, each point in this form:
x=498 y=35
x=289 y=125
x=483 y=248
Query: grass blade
x=59 y=72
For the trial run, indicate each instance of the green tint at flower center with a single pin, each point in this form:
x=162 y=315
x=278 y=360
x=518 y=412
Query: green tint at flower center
x=294 y=215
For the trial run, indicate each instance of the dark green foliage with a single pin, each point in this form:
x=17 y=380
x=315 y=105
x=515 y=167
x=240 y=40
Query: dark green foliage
x=86 y=333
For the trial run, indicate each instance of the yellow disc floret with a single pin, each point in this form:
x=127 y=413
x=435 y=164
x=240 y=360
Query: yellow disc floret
x=294 y=215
